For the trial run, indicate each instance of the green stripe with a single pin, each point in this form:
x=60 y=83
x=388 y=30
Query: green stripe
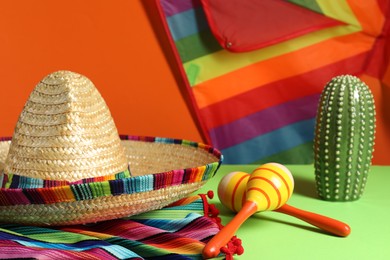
x=26 y=230
x=166 y=214
x=342 y=12
x=232 y=62
x=62 y=237
x=309 y=4
x=197 y=45
x=81 y=191
x=170 y=213
x=210 y=170
x=86 y=190
x=75 y=193
x=45 y=234
x=122 y=175
x=301 y=154
x=99 y=189
x=189 y=143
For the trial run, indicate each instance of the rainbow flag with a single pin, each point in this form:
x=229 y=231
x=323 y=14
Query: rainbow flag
x=257 y=101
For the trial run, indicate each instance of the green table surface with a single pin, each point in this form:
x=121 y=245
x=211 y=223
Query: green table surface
x=273 y=235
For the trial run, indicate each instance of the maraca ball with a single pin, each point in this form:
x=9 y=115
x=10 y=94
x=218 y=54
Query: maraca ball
x=232 y=189
x=275 y=184
x=270 y=186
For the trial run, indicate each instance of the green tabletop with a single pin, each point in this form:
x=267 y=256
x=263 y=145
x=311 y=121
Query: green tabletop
x=273 y=235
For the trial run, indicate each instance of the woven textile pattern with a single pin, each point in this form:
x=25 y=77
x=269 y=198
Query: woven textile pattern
x=260 y=105
x=177 y=232
x=86 y=189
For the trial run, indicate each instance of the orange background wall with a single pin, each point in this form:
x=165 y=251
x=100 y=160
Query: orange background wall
x=113 y=43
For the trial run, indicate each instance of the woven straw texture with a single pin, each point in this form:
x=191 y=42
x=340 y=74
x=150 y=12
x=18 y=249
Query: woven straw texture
x=66 y=164
x=65 y=132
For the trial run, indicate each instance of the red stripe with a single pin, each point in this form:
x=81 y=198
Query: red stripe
x=243 y=198
x=264 y=193
x=280 y=176
x=278 y=92
x=273 y=186
x=234 y=191
x=4 y=200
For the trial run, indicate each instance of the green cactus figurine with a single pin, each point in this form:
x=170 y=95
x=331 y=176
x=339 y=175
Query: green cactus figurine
x=344 y=139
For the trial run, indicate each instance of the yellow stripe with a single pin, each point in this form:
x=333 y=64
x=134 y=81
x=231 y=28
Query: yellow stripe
x=61 y=237
x=68 y=193
x=339 y=10
x=90 y=234
x=223 y=62
x=8 y=183
x=286 y=177
x=189 y=246
x=199 y=177
x=281 y=67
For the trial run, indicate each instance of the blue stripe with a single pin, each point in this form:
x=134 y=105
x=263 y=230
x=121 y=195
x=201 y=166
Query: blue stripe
x=50 y=245
x=120 y=252
x=265 y=121
x=116 y=250
x=138 y=184
x=168 y=224
x=271 y=143
x=187 y=23
x=164 y=140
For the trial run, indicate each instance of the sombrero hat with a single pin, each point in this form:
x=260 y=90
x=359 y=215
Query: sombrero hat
x=66 y=163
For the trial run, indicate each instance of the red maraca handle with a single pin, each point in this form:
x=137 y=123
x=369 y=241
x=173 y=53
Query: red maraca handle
x=213 y=247
x=328 y=224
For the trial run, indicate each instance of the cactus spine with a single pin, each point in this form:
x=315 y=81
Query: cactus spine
x=344 y=139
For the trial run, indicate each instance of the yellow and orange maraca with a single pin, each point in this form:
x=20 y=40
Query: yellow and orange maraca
x=270 y=186
x=267 y=188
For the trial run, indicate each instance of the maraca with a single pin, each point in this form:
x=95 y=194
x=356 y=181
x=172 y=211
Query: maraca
x=231 y=193
x=268 y=187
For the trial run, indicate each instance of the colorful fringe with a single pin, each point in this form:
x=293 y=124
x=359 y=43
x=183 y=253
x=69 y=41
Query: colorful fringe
x=19 y=194
x=260 y=106
x=179 y=231
x=164 y=140
x=14 y=181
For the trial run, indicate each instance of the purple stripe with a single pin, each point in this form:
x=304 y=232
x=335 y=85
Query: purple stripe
x=264 y=121
x=117 y=187
x=195 y=229
x=16 y=196
x=172 y=7
x=178 y=177
x=187 y=175
x=14 y=182
x=20 y=252
x=34 y=196
x=158 y=181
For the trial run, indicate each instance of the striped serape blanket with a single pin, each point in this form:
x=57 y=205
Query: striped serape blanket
x=178 y=231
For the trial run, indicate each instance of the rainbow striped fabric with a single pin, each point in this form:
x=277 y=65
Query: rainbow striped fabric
x=260 y=106
x=176 y=232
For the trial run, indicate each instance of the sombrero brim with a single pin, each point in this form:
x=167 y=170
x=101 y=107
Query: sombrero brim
x=163 y=171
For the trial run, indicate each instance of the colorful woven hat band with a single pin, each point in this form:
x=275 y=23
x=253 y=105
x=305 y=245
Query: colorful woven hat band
x=15 y=181
x=93 y=188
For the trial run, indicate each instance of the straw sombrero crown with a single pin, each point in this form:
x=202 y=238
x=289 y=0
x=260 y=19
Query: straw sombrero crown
x=66 y=163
